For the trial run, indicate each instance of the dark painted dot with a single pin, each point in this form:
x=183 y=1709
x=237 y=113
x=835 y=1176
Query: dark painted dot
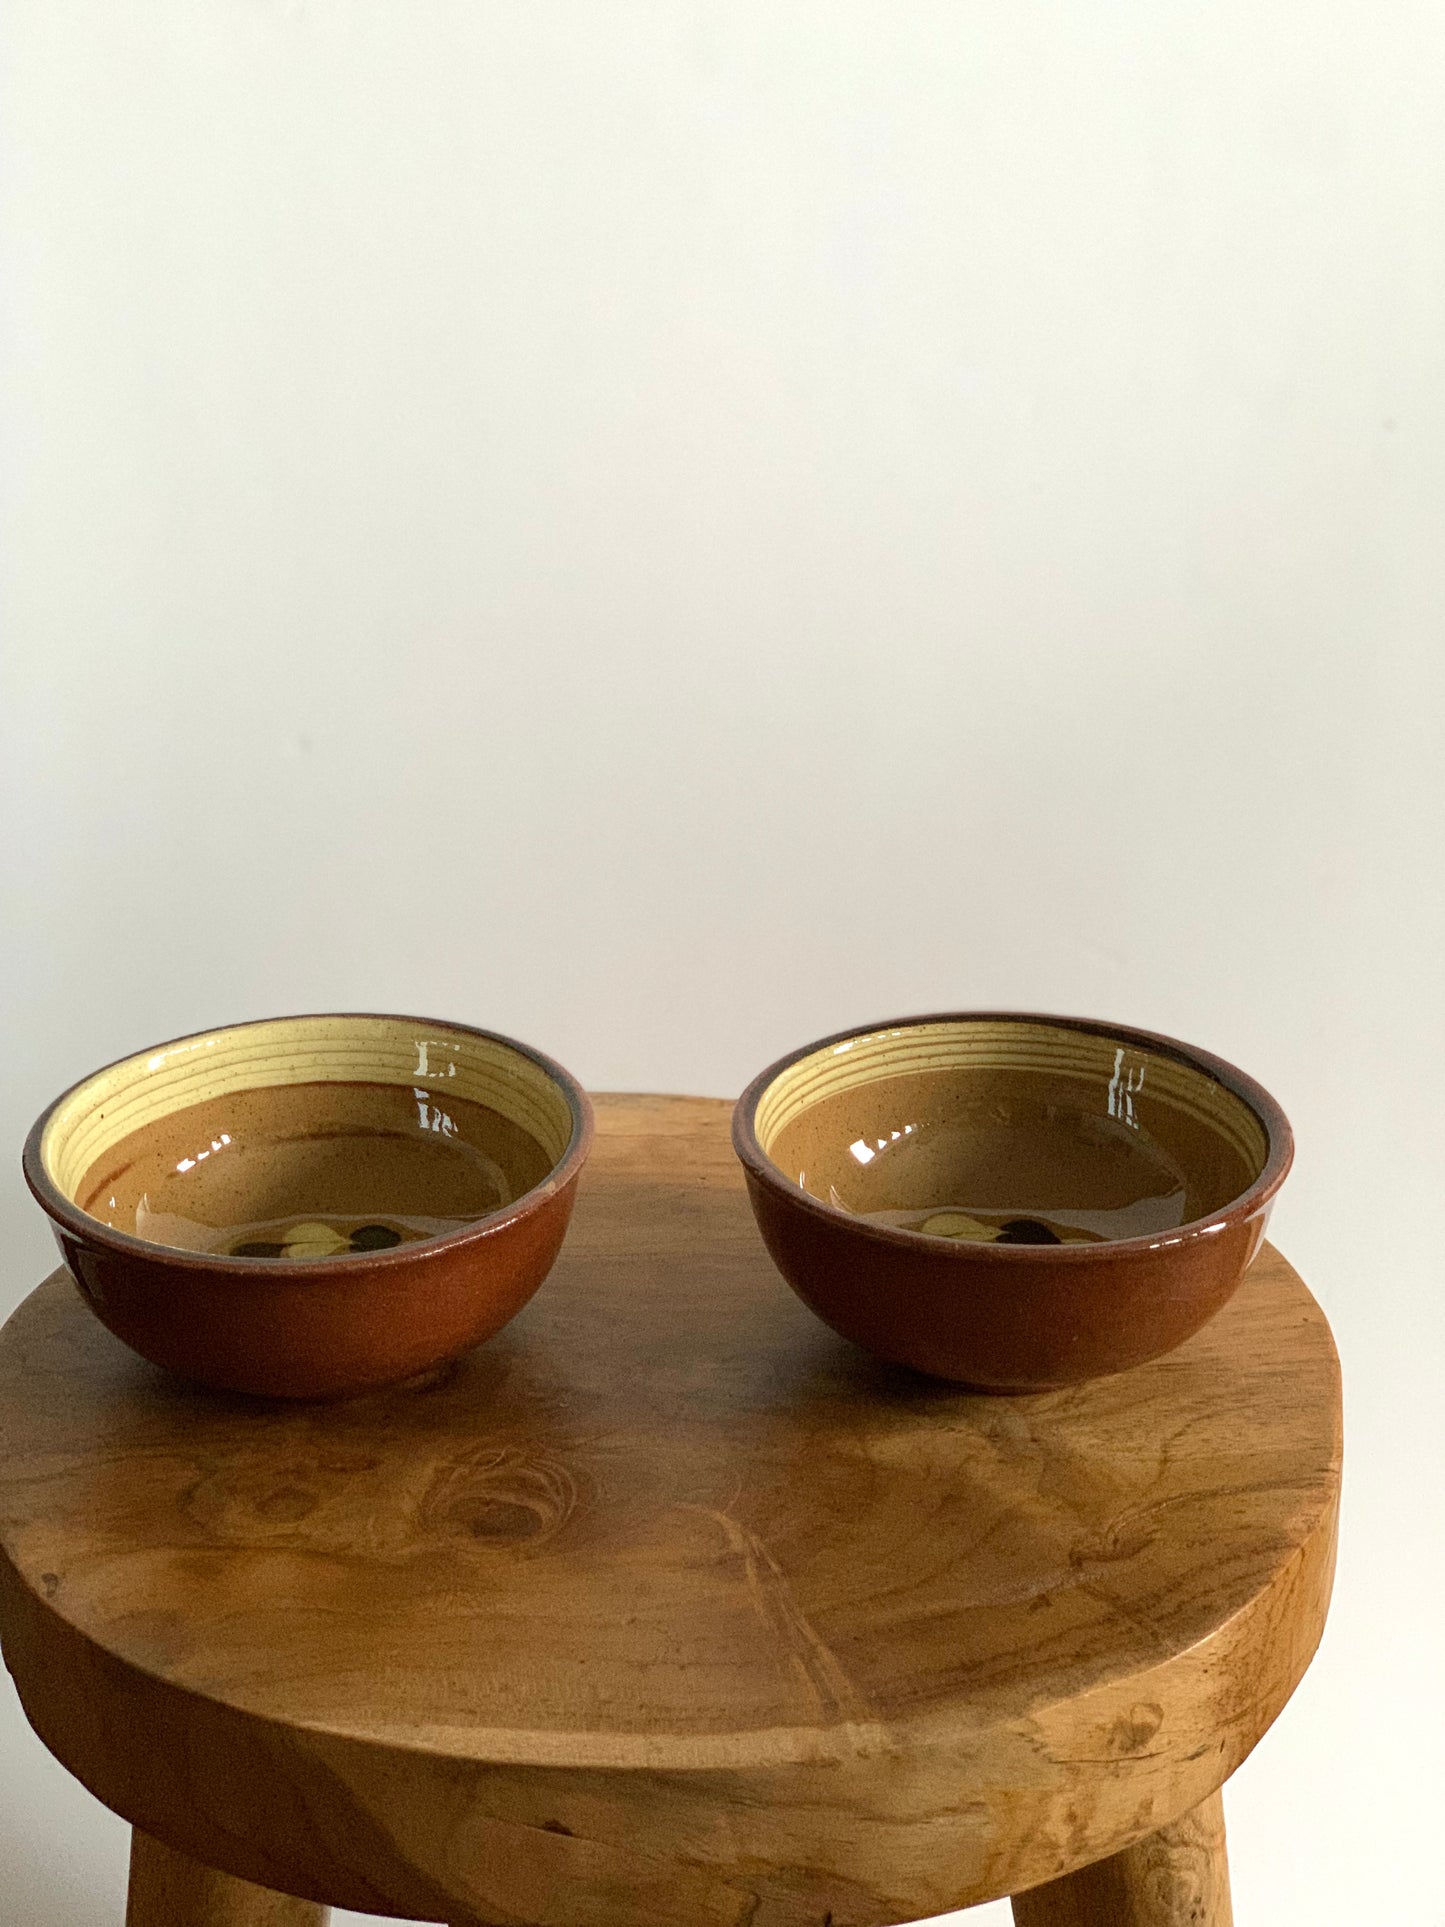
x=375 y=1237
x=1027 y=1231
x=257 y=1248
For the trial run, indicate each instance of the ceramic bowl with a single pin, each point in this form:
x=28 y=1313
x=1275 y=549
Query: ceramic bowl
x=1012 y=1202
x=312 y=1206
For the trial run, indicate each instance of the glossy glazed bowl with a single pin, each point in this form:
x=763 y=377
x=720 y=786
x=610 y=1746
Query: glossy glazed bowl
x=1012 y=1202
x=311 y=1206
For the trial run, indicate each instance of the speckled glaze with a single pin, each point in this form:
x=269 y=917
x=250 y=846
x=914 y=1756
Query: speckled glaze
x=1008 y=1317
x=330 y=1326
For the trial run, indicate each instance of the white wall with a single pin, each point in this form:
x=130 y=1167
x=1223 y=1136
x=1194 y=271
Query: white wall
x=668 y=528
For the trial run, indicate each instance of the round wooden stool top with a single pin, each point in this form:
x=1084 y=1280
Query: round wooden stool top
x=666 y=1606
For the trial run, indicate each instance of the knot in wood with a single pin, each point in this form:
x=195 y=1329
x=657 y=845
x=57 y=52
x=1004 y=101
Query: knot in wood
x=499 y=1497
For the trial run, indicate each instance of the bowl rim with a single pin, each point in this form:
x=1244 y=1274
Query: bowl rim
x=1279 y=1153
x=69 y=1216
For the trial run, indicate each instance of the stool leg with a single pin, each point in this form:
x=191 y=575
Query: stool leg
x=169 y=1890
x=1177 y=1877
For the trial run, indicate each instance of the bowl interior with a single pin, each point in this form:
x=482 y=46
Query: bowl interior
x=309 y=1137
x=1001 y=1131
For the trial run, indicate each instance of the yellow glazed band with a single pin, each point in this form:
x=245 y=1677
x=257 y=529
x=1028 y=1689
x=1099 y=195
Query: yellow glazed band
x=1127 y=1070
x=301 y=1050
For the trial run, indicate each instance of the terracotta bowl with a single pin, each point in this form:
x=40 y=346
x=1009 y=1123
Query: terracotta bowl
x=1013 y=1202
x=310 y=1206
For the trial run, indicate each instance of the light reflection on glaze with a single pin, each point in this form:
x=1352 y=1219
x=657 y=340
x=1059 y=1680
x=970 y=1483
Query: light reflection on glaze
x=1061 y=1175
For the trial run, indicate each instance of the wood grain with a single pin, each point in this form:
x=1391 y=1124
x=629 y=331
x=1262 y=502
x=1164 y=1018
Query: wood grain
x=1176 y=1877
x=167 y=1890
x=666 y=1605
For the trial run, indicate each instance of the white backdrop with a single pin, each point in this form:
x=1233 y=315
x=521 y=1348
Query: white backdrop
x=667 y=529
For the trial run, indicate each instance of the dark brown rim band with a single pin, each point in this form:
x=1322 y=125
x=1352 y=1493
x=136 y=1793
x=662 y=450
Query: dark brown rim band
x=1279 y=1137
x=66 y=1212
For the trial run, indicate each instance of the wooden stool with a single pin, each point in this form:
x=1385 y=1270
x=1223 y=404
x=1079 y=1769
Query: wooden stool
x=667 y=1608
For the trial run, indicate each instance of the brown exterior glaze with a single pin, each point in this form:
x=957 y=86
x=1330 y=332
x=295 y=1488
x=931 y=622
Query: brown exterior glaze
x=325 y=1328
x=1011 y=1318
x=322 y=1330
